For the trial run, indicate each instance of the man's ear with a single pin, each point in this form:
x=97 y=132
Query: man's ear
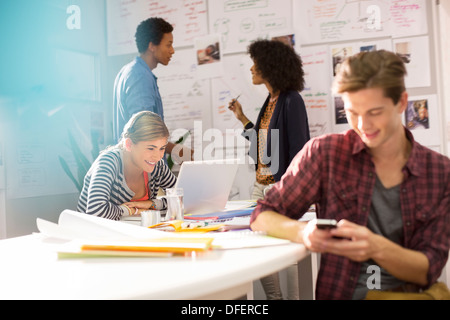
x=151 y=47
x=403 y=102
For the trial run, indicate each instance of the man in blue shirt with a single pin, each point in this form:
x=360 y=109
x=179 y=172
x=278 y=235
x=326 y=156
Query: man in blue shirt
x=135 y=87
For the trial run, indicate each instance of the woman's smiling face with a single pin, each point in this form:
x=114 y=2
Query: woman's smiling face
x=145 y=154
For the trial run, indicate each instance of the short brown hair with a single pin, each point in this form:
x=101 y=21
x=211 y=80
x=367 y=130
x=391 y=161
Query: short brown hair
x=374 y=69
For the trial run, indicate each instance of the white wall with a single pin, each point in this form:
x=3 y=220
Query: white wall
x=35 y=32
x=444 y=24
x=444 y=27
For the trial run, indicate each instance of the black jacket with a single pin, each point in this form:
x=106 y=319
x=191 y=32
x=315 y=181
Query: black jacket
x=290 y=120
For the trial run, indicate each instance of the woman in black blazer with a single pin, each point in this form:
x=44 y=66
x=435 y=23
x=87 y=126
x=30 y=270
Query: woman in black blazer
x=281 y=129
x=283 y=114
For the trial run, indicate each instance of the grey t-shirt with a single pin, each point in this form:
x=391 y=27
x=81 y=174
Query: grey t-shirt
x=385 y=218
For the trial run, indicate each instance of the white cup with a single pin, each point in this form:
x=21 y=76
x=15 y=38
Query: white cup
x=175 y=206
x=150 y=218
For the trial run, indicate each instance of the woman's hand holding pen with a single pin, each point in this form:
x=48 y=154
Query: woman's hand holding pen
x=236 y=107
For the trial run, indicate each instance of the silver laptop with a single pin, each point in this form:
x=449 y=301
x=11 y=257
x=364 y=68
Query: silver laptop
x=206 y=184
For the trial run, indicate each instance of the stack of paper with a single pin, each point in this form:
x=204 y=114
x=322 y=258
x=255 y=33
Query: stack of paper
x=90 y=235
x=93 y=236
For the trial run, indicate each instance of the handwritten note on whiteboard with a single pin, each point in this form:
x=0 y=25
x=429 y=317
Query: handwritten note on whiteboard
x=188 y=17
x=320 y=21
x=185 y=97
x=242 y=21
x=408 y=17
x=317 y=89
x=236 y=82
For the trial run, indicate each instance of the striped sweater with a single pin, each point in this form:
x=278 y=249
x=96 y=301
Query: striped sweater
x=105 y=188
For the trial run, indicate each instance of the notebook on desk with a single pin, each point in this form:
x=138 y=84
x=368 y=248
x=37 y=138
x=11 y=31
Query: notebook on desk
x=206 y=184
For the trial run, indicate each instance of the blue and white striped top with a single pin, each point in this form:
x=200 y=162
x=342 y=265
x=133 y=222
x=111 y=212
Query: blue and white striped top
x=105 y=188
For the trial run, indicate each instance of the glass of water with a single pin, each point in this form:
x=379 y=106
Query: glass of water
x=175 y=206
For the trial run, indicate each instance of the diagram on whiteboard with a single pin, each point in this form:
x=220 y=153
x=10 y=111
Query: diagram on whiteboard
x=185 y=97
x=242 y=21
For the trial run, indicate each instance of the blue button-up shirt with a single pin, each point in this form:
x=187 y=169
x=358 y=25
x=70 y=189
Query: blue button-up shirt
x=135 y=89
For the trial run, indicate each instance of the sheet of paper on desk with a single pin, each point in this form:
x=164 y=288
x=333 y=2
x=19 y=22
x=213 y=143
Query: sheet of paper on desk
x=236 y=223
x=239 y=221
x=244 y=239
x=76 y=225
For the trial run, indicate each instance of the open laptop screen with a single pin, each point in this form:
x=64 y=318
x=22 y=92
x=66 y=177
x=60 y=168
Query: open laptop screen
x=206 y=184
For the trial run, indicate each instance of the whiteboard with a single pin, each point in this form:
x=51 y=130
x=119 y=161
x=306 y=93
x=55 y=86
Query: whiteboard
x=241 y=21
x=416 y=49
x=41 y=136
x=322 y=30
x=189 y=19
x=236 y=82
x=317 y=89
x=186 y=98
x=321 y=21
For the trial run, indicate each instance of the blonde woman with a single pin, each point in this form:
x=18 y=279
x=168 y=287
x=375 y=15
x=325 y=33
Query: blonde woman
x=125 y=178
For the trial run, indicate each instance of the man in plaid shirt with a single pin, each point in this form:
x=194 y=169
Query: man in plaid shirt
x=390 y=194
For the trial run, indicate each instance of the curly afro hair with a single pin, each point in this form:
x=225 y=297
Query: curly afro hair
x=151 y=30
x=279 y=64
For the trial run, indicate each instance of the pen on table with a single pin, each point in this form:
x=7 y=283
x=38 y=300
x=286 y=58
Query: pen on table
x=234 y=100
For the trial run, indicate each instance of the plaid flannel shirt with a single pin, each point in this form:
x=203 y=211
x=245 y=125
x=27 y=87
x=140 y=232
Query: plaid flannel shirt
x=337 y=174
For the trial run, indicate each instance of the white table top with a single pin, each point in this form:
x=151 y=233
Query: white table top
x=30 y=269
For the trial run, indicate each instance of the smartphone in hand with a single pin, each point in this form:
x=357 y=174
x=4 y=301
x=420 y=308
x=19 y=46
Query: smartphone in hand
x=326 y=223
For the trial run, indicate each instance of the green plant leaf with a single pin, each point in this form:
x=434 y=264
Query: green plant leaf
x=66 y=169
x=82 y=162
x=79 y=156
x=180 y=140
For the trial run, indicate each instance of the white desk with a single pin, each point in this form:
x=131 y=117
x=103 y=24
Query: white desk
x=29 y=269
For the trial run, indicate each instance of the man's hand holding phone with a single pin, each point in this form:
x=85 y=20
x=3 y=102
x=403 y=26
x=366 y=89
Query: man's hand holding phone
x=342 y=238
x=325 y=224
x=318 y=233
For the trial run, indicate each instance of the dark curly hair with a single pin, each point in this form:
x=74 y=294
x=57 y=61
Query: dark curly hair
x=151 y=30
x=279 y=64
